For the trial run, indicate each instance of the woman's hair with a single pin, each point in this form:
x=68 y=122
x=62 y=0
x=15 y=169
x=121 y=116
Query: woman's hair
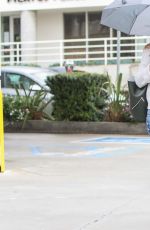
x=147 y=46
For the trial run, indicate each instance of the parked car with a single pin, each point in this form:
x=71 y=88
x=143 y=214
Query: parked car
x=29 y=78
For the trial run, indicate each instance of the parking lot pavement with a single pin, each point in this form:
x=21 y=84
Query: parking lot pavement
x=75 y=182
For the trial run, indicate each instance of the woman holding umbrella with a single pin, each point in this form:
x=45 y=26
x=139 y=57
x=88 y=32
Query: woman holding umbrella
x=142 y=78
x=132 y=17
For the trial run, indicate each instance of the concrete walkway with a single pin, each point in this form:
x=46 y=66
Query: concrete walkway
x=75 y=182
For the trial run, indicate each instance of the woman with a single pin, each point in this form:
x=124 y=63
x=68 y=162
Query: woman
x=142 y=78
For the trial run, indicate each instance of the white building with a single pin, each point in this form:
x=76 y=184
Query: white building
x=37 y=20
x=53 y=31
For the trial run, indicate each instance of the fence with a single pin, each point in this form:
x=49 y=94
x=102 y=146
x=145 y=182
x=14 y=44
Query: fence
x=81 y=51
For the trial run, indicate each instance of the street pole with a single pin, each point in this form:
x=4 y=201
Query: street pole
x=2 y=158
x=0 y=46
x=118 y=53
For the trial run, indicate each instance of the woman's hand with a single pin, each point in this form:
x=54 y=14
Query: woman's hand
x=145 y=61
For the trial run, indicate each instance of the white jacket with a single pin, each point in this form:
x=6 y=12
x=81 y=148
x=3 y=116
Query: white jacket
x=143 y=75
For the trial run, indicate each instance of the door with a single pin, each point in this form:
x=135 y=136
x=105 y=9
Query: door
x=11 y=32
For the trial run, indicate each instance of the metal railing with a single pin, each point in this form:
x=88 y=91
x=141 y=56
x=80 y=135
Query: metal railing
x=82 y=51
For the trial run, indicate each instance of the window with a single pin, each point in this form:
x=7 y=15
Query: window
x=5 y=29
x=74 y=25
x=96 y=30
x=74 y=28
x=5 y=36
x=2 y=79
x=17 y=32
x=13 y=80
x=126 y=44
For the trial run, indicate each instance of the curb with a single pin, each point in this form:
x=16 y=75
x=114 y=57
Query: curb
x=73 y=127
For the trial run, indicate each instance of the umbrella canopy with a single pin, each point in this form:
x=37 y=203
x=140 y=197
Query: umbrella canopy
x=128 y=16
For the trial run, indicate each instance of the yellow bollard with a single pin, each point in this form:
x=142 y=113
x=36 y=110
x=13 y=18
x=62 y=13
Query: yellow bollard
x=2 y=159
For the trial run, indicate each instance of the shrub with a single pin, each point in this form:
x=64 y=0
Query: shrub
x=13 y=108
x=78 y=96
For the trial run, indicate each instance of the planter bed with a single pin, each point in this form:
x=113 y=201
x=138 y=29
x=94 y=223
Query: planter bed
x=64 y=127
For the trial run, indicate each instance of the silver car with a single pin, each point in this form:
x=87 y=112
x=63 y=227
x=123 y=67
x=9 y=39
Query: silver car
x=29 y=78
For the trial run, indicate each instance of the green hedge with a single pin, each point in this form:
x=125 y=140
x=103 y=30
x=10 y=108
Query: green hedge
x=78 y=96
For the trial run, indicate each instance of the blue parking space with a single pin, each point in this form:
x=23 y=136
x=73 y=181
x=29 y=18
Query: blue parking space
x=90 y=146
x=118 y=139
x=89 y=152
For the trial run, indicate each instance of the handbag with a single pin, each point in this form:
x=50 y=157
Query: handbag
x=138 y=101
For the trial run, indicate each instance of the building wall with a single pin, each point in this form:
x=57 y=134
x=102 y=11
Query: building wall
x=28 y=34
x=49 y=25
x=49 y=28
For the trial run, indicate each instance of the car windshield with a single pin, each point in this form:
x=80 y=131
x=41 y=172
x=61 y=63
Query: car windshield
x=42 y=76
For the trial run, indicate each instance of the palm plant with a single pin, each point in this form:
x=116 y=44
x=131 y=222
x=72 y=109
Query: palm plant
x=117 y=100
x=34 y=104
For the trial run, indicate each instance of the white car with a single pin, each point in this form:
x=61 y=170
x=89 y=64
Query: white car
x=29 y=77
